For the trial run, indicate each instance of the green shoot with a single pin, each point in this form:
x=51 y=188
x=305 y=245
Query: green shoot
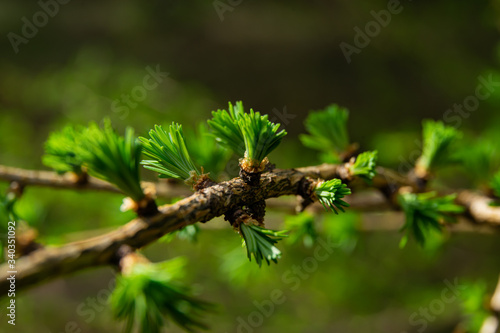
x=170 y=154
x=249 y=135
x=424 y=212
x=226 y=129
x=206 y=151
x=330 y=194
x=113 y=158
x=364 y=166
x=261 y=137
x=301 y=227
x=61 y=150
x=260 y=243
x=437 y=139
x=148 y=297
x=328 y=130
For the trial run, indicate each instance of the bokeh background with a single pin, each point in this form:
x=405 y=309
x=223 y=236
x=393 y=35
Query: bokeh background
x=280 y=58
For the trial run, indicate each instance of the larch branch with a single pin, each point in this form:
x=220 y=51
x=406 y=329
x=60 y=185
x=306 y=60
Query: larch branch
x=70 y=181
x=202 y=206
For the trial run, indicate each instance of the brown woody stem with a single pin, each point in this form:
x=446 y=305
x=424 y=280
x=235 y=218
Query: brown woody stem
x=51 y=262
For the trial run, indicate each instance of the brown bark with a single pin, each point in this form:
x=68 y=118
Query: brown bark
x=51 y=262
x=202 y=206
x=70 y=181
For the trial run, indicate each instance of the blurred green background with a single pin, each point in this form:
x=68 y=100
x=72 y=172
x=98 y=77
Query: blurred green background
x=281 y=58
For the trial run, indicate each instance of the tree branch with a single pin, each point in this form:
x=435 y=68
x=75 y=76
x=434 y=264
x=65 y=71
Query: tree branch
x=201 y=206
x=387 y=181
x=70 y=181
x=479 y=208
x=51 y=262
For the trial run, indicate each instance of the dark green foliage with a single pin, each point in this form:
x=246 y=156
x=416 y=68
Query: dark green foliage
x=437 y=139
x=301 y=227
x=330 y=194
x=61 y=150
x=147 y=298
x=261 y=136
x=425 y=211
x=206 y=151
x=113 y=158
x=249 y=135
x=170 y=154
x=260 y=243
x=328 y=130
x=364 y=166
x=226 y=128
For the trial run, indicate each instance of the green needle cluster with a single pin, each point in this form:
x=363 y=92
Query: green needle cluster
x=330 y=194
x=249 y=135
x=261 y=136
x=206 y=151
x=437 y=139
x=328 y=130
x=425 y=211
x=365 y=165
x=260 y=243
x=147 y=298
x=113 y=158
x=226 y=129
x=170 y=155
x=61 y=150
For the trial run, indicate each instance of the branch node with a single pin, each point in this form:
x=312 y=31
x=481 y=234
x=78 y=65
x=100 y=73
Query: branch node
x=202 y=182
x=305 y=191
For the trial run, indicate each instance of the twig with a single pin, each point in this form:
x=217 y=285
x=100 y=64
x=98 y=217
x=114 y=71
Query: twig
x=51 y=262
x=70 y=181
x=479 y=207
x=387 y=181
